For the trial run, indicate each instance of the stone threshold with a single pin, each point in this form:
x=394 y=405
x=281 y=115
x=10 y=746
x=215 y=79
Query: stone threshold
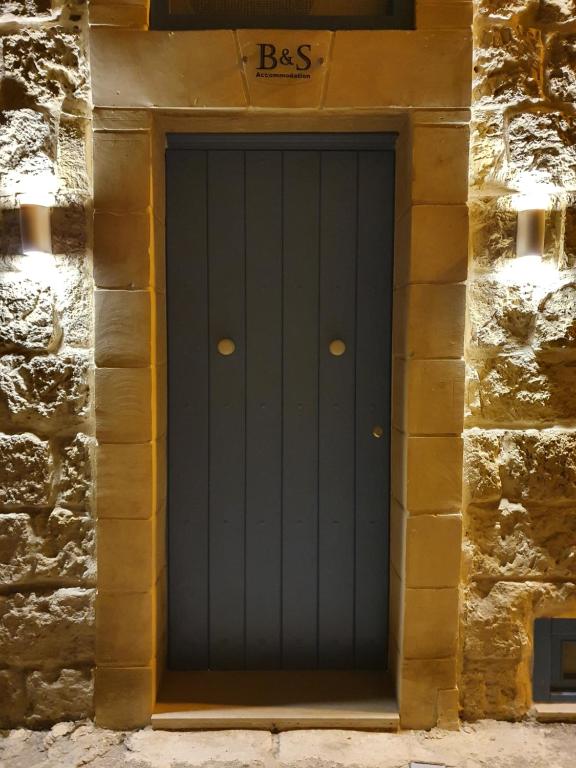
x=555 y=712
x=276 y=701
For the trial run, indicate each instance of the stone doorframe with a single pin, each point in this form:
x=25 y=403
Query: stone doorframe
x=431 y=249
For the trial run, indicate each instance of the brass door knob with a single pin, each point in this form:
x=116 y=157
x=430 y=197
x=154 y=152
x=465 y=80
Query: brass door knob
x=377 y=432
x=337 y=347
x=226 y=347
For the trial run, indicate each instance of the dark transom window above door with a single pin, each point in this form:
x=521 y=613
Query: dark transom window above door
x=279 y=292
x=279 y=14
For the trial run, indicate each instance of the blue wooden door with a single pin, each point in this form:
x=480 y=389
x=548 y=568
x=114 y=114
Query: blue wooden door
x=279 y=291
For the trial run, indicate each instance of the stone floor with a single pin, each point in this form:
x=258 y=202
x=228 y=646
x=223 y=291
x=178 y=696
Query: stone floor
x=486 y=744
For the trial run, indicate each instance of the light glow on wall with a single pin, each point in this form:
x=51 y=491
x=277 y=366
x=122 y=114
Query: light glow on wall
x=39 y=189
x=531 y=269
x=533 y=194
x=39 y=266
x=535 y=198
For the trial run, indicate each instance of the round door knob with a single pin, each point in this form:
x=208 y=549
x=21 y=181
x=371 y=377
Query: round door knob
x=226 y=347
x=377 y=431
x=337 y=347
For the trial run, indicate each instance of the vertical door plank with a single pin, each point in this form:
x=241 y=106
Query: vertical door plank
x=300 y=409
x=227 y=408
x=263 y=409
x=187 y=320
x=338 y=217
x=375 y=249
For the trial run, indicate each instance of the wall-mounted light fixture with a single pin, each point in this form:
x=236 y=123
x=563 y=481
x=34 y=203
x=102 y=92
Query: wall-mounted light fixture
x=35 y=202
x=531 y=225
x=530 y=267
x=35 y=231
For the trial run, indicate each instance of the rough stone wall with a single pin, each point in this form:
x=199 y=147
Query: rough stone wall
x=47 y=565
x=520 y=467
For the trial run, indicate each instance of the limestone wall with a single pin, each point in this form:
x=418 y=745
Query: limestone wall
x=520 y=467
x=47 y=564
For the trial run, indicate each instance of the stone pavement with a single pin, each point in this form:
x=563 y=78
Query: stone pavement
x=486 y=744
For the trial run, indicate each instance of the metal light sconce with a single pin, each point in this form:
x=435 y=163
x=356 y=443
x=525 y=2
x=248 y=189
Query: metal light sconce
x=35 y=230
x=531 y=225
x=35 y=199
x=530 y=267
x=530 y=232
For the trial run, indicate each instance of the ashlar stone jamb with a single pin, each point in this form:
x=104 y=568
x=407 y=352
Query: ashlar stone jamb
x=126 y=428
